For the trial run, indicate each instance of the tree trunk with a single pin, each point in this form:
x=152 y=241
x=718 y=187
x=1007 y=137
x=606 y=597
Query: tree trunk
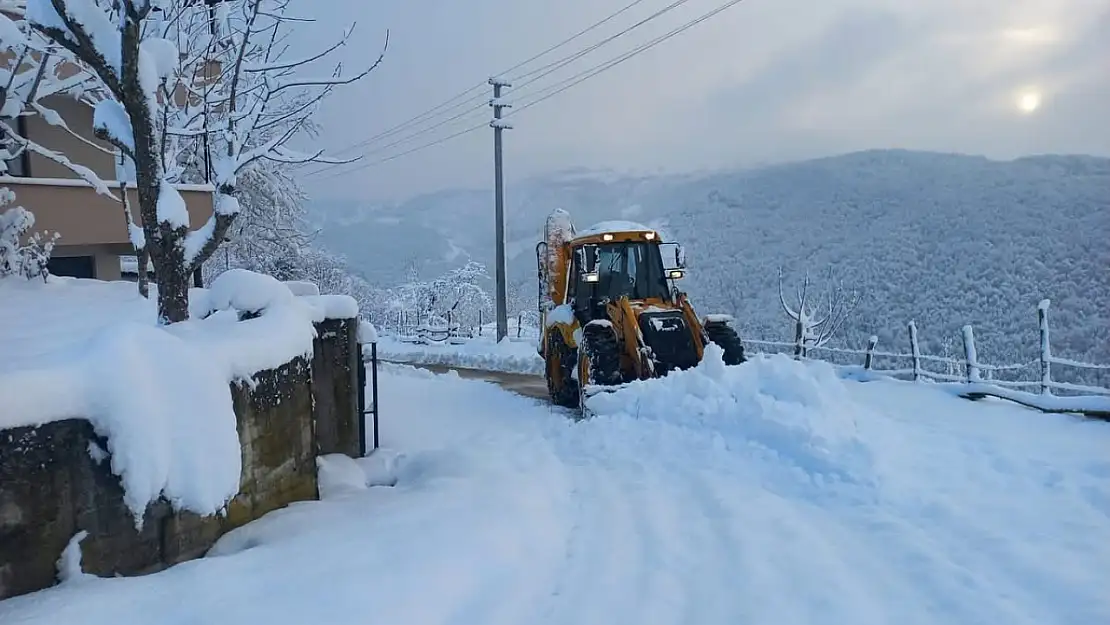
x=164 y=242
x=144 y=274
x=173 y=285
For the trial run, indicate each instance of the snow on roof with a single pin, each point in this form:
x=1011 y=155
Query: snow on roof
x=89 y=349
x=613 y=226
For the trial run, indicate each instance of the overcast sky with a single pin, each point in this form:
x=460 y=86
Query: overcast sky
x=766 y=80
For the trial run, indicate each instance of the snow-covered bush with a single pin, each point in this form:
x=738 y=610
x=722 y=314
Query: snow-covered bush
x=459 y=294
x=28 y=259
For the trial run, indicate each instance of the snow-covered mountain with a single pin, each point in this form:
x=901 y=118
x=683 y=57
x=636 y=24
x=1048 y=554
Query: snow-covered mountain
x=944 y=239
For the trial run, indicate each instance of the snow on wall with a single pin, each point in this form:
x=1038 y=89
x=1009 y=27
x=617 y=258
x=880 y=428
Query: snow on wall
x=160 y=395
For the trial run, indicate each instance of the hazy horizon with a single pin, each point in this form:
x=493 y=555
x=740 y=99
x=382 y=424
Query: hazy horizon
x=753 y=85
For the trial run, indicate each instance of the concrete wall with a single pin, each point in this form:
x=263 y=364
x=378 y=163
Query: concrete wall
x=51 y=488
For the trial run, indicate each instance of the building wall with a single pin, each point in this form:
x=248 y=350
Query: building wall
x=79 y=118
x=83 y=217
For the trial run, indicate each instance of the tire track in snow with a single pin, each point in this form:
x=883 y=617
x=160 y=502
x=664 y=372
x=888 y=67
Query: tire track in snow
x=600 y=554
x=652 y=545
x=535 y=526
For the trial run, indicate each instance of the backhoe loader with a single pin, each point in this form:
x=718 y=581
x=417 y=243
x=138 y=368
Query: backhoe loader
x=612 y=312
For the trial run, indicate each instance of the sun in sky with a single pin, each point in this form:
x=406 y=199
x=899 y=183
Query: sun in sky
x=1029 y=101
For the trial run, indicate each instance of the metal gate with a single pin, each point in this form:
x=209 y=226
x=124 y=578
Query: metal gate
x=363 y=409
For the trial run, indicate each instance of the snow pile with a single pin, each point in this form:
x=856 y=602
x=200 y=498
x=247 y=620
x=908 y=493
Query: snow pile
x=302 y=287
x=785 y=412
x=340 y=475
x=159 y=395
x=509 y=356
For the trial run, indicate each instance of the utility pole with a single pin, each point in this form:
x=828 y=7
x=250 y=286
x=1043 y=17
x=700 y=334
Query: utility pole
x=499 y=204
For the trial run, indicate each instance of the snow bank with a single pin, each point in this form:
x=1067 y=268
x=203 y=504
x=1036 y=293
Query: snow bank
x=160 y=395
x=509 y=356
x=787 y=412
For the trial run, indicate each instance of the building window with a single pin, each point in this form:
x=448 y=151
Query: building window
x=72 y=266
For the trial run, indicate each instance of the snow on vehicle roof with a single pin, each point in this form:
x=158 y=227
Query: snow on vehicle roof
x=613 y=226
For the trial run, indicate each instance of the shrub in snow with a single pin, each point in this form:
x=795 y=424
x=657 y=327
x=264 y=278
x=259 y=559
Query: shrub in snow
x=28 y=260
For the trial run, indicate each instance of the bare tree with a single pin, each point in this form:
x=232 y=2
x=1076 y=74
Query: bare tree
x=818 y=319
x=228 y=100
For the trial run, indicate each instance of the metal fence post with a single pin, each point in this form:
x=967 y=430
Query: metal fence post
x=869 y=358
x=969 y=355
x=1046 y=350
x=361 y=369
x=915 y=350
x=374 y=387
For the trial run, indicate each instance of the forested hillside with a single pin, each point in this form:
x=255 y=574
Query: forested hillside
x=943 y=239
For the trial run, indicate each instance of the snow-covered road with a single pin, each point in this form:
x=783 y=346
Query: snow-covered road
x=768 y=493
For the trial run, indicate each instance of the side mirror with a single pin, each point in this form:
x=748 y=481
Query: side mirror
x=680 y=256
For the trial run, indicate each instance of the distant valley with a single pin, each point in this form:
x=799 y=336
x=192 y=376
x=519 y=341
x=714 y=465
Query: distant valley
x=943 y=239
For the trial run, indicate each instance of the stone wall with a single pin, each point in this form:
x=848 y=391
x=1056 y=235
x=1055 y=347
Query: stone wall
x=335 y=375
x=51 y=487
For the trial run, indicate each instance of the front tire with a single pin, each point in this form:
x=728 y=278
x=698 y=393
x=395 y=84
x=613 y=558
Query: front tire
x=559 y=371
x=722 y=335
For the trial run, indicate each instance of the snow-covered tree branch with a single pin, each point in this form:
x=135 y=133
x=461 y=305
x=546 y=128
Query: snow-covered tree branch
x=252 y=108
x=818 y=318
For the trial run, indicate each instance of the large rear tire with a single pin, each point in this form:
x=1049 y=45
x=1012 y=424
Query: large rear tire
x=722 y=335
x=559 y=371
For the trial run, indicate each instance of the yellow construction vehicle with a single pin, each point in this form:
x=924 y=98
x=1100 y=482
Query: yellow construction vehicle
x=612 y=312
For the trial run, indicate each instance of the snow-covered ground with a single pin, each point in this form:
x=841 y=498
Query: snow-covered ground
x=513 y=355
x=770 y=493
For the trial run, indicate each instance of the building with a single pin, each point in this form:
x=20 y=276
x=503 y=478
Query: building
x=92 y=228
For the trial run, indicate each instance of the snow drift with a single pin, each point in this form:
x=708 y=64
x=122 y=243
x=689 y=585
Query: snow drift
x=160 y=395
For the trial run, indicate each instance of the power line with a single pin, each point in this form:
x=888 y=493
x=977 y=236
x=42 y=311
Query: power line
x=556 y=65
x=425 y=131
x=418 y=148
x=602 y=67
x=573 y=37
x=562 y=86
x=420 y=117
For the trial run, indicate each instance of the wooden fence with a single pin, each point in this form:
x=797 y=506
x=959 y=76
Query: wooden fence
x=978 y=379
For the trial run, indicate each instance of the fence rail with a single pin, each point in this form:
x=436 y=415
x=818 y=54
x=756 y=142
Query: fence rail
x=1091 y=400
x=411 y=328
